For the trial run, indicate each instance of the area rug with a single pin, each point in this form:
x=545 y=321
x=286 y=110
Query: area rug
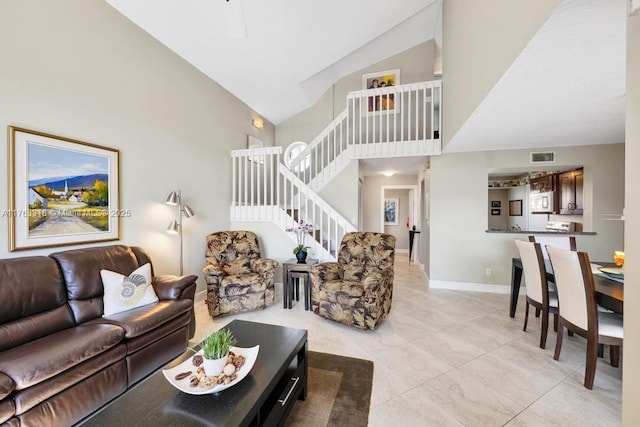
x=339 y=392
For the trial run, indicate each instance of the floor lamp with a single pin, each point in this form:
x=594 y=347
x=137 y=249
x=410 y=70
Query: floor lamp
x=175 y=199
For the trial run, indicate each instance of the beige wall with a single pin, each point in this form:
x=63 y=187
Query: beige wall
x=342 y=193
x=498 y=222
x=308 y=124
x=79 y=69
x=424 y=180
x=459 y=209
x=481 y=39
x=631 y=348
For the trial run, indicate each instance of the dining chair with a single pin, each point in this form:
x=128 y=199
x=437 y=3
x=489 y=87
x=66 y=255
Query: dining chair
x=578 y=309
x=538 y=293
x=562 y=242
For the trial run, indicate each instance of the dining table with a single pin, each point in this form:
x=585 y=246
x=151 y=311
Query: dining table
x=609 y=292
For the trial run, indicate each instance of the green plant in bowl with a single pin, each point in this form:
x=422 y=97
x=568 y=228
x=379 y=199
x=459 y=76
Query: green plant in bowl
x=217 y=344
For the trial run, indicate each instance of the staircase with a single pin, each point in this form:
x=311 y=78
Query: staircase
x=394 y=121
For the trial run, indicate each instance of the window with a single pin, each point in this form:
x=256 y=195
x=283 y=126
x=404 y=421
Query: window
x=292 y=152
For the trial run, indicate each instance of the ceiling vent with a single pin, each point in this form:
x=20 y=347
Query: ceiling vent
x=543 y=157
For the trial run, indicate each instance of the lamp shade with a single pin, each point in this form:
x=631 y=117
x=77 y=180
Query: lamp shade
x=188 y=212
x=173 y=227
x=172 y=199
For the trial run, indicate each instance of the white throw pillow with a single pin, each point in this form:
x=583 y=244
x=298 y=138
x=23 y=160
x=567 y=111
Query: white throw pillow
x=122 y=293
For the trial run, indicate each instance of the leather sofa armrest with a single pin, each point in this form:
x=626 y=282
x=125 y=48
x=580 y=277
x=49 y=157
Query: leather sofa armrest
x=6 y=385
x=173 y=287
x=263 y=265
x=169 y=287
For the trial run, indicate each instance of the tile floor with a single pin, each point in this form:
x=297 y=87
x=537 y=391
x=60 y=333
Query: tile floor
x=452 y=358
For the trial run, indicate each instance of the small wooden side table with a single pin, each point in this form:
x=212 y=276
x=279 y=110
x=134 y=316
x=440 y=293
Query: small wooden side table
x=292 y=270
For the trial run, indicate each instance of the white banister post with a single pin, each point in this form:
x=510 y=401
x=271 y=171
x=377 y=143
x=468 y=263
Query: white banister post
x=433 y=102
x=233 y=182
x=264 y=199
x=417 y=115
x=277 y=173
x=402 y=114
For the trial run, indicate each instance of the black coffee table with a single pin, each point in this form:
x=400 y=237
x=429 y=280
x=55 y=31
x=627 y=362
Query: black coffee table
x=264 y=397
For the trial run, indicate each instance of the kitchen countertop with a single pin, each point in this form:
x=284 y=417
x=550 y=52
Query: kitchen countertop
x=569 y=233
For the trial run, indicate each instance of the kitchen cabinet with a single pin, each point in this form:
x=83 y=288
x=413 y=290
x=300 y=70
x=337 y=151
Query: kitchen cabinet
x=571 y=192
x=543 y=184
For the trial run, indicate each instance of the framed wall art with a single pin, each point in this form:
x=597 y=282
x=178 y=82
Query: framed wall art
x=495 y=212
x=61 y=191
x=515 y=207
x=390 y=212
x=384 y=102
x=496 y=203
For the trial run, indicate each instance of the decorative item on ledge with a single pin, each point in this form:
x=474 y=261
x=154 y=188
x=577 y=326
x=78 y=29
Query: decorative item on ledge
x=301 y=230
x=507 y=183
x=175 y=199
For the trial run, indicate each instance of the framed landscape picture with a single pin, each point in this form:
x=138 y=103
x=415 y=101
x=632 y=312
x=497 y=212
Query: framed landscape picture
x=390 y=211
x=384 y=102
x=61 y=191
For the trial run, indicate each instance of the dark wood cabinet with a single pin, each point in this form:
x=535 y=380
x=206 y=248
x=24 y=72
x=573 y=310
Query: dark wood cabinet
x=571 y=186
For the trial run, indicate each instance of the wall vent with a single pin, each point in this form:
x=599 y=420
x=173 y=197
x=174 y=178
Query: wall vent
x=543 y=157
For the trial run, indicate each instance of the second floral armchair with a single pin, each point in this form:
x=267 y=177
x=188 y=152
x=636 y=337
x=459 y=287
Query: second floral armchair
x=237 y=278
x=357 y=289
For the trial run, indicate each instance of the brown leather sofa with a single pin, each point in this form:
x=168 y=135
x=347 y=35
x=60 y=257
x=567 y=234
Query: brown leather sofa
x=60 y=360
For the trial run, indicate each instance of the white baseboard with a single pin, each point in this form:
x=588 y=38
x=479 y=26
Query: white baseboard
x=470 y=287
x=402 y=251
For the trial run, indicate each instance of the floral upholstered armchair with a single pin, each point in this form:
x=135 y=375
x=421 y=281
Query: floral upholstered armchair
x=356 y=290
x=238 y=279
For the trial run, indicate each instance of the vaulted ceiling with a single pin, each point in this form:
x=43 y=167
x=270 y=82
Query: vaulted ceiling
x=567 y=87
x=279 y=56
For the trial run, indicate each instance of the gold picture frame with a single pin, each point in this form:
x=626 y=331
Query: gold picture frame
x=61 y=191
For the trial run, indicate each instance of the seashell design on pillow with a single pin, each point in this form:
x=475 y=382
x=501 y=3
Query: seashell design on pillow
x=122 y=293
x=133 y=288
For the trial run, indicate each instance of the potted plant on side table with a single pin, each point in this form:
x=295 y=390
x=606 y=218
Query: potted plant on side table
x=301 y=230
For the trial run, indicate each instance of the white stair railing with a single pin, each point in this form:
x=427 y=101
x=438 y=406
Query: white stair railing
x=254 y=184
x=392 y=121
x=263 y=189
x=303 y=203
